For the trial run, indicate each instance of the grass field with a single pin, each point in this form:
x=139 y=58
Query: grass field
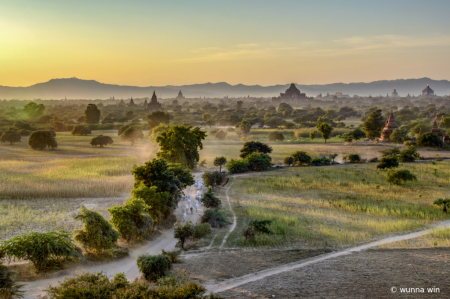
x=336 y=206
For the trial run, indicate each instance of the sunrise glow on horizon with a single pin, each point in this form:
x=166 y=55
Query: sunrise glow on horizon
x=159 y=43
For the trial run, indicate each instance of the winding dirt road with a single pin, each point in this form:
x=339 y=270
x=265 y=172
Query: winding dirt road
x=127 y=265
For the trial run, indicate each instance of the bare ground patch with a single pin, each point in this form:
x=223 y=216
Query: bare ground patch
x=366 y=274
x=214 y=267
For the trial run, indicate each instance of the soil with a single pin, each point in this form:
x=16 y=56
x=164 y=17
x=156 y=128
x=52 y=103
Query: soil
x=214 y=267
x=365 y=274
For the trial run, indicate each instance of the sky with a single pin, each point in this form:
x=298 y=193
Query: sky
x=155 y=43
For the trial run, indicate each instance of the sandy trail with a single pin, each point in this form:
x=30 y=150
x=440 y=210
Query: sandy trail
x=127 y=265
x=233 y=226
x=235 y=282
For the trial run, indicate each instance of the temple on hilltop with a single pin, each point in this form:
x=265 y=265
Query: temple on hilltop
x=394 y=94
x=154 y=105
x=131 y=104
x=180 y=96
x=292 y=93
x=389 y=127
x=428 y=92
x=145 y=103
x=122 y=103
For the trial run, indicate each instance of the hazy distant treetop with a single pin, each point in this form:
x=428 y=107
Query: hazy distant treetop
x=91 y=114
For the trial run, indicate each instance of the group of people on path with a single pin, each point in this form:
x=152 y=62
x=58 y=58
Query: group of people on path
x=190 y=207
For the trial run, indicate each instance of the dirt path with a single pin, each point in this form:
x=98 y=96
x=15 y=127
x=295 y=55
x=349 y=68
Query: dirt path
x=127 y=265
x=233 y=226
x=235 y=282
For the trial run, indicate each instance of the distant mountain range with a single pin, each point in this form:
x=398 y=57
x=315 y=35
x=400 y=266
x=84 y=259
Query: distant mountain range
x=74 y=88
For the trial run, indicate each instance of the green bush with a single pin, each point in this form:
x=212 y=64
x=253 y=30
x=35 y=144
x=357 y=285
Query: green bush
x=99 y=286
x=159 y=204
x=274 y=136
x=215 y=218
x=44 y=250
x=131 y=220
x=320 y=161
x=388 y=162
x=213 y=178
x=173 y=255
x=301 y=157
x=398 y=177
x=9 y=289
x=81 y=130
x=288 y=160
x=444 y=202
x=210 y=200
x=154 y=266
x=409 y=155
x=97 y=234
x=354 y=158
x=201 y=230
x=237 y=166
x=101 y=140
x=24 y=132
x=261 y=226
x=258 y=161
x=41 y=139
x=429 y=139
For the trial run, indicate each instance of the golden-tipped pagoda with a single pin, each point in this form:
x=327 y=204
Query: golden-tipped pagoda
x=389 y=127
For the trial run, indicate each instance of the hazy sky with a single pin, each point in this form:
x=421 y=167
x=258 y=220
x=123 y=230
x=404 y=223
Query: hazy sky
x=247 y=41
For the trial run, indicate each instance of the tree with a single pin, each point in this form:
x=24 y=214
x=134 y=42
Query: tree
x=220 y=161
x=91 y=114
x=97 y=234
x=9 y=288
x=33 y=110
x=157 y=118
x=81 y=130
x=445 y=123
x=221 y=135
x=131 y=219
x=171 y=178
x=183 y=233
x=159 y=204
x=354 y=158
x=101 y=140
x=313 y=135
x=273 y=122
x=154 y=266
x=288 y=160
x=41 y=139
x=180 y=144
x=156 y=131
x=301 y=157
x=398 y=177
x=132 y=134
x=388 y=162
x=254 y=147
x=408 y=155
x=42 y=249
x=373 y=124
x=237 y=166
x=10 y=136
x=258 y=161
x=358 y=134
x=429 y=139
x=274 y=136
x=206 y=116
x=332 y=156
x=444 y=202
x=325 y=129
x=210 y=200
x=216 y=218
x=348 y=137
x=394 y=151
x=244 y=127
x=239 y=105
